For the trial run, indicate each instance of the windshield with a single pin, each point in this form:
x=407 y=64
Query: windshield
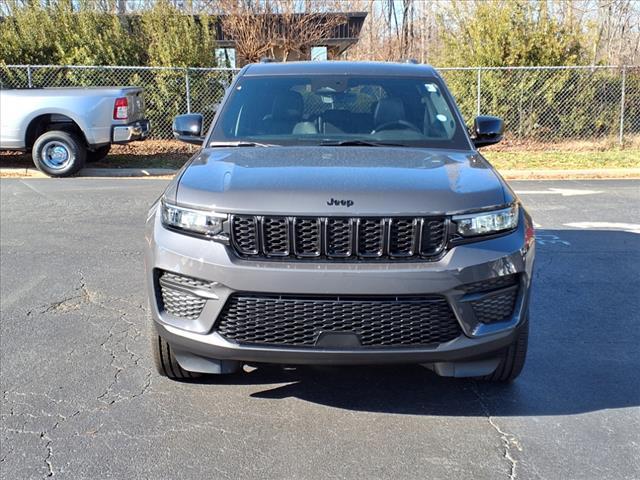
x=340 y=110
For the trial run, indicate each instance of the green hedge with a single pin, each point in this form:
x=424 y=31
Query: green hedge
x=159 y=36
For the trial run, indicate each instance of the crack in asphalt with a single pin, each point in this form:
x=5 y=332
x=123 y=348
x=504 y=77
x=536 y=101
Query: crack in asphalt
x=49 y=448
x=121 y=334
x=70 y=303
x=509 y=440
x=130 y=331
x=41 y=434
x=119 y=338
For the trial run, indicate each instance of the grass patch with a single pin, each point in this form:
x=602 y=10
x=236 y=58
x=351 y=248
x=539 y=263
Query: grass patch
x=563 y=160
x=510 y=160
x=566 y=156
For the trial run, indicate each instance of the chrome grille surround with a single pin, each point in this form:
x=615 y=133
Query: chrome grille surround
x=338 y=238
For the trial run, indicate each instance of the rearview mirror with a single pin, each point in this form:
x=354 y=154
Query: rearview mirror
x=487 y=130
x=188 y=128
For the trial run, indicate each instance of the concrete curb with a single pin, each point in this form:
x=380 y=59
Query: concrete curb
x=93 y=172
x=594 y=173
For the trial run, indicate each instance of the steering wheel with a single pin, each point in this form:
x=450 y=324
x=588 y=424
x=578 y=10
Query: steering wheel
x=396 y=123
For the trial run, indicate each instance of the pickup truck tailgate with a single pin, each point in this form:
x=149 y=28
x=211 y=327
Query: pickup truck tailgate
x=135 y=101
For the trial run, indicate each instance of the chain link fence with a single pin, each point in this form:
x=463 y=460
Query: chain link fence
x=538 y=104
x=552 y=104
x=168 y=91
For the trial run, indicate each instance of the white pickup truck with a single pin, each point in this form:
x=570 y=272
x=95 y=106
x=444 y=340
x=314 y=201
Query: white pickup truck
x=64 y=127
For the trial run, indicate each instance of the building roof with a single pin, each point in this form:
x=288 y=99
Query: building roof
x=338 y=68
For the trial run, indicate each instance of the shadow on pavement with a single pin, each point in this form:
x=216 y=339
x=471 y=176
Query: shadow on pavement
x=584 y=352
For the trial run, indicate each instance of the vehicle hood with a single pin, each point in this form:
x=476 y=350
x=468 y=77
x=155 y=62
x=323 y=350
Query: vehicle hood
x=371 y=180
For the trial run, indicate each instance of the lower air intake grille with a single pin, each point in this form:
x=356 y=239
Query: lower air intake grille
x=297 y=321
x=500 y=300
x=496 y=307
x=175 y=297
x=495 y=283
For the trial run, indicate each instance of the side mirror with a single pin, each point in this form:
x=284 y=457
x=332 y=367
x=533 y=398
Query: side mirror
x=188 y=128
x=487 y=130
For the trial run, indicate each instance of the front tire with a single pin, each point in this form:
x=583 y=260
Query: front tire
x=513 y=358
x=165 y=360
x=58 y=153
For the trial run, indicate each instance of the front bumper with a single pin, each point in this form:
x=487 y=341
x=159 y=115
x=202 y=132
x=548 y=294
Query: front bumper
x=462 y=265
x=138 y=130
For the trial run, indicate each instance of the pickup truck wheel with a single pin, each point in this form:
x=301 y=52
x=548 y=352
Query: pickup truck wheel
x=165 y=361
x=58 y=153
x=513 y=358
x=98 y=154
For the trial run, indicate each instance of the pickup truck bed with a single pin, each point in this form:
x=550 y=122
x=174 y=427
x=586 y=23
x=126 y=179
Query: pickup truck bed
x=87 y=121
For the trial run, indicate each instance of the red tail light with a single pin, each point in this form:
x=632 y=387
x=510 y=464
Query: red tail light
x=121 y=109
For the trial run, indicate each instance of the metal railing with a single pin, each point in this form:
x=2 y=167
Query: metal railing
x=538 y=104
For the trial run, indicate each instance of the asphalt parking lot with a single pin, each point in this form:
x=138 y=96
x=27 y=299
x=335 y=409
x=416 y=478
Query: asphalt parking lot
x=80 y=398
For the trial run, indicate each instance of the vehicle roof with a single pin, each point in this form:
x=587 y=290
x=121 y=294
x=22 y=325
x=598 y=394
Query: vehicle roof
x=338 y=68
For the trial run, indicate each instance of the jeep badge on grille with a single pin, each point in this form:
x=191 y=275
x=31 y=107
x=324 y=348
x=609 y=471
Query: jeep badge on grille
x=340 y=203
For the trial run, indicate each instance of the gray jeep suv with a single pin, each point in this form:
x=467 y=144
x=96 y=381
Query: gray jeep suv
x=339 y=213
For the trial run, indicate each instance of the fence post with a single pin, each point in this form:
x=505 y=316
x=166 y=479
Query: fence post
x=478 y=92
x=188 y=87
x=622 y=94
x=30 y=83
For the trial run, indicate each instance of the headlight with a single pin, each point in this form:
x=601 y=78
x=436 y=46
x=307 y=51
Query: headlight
x=196 y=221
x=484 y=223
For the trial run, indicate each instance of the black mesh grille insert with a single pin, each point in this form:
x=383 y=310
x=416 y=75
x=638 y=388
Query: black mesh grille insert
x=370 y=237
x=499 y=300
x=495 y=307
x=338 y=238
x=307 y=237
x=245 y=234
x=175 y=297
x=276 y=235
x=491 y=284
x=433 y=237
x=297 y=321
x=402 y=237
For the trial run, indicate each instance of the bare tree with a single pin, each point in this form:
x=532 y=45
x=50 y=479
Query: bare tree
x=276 y=27
x=408 y=31
x=250 y=26
x=301 y=30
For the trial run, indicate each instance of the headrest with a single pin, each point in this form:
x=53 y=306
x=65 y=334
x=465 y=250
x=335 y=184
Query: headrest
x=287 y=105
x=388 y=110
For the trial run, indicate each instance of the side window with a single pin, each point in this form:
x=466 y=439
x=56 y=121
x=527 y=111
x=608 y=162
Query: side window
x=439 y=119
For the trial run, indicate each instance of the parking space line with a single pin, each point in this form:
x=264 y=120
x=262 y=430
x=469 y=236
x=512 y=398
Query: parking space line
x=627 y=227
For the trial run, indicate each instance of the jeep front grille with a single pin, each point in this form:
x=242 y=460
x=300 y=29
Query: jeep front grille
x=299 y=320
x=338 y=238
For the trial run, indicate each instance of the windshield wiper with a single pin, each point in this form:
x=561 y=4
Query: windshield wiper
x=359 y=143
x=240 y=144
